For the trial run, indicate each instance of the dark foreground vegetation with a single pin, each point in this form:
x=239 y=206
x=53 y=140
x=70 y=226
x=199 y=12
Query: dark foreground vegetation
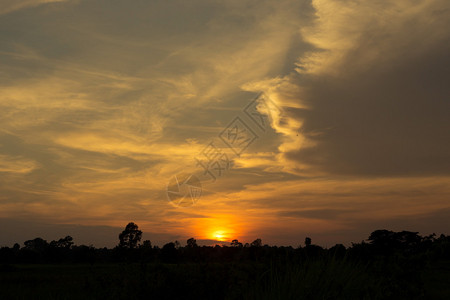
x=389 y=265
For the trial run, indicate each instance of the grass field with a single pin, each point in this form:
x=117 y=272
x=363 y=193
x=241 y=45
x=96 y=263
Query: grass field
x=319 y=279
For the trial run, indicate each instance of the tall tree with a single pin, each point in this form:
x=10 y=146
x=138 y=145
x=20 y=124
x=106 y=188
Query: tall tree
x=130 y=237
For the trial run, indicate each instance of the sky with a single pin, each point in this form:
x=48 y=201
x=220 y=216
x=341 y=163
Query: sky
x=223 y=120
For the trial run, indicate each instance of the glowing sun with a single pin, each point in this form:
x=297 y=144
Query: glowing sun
x=219 y=236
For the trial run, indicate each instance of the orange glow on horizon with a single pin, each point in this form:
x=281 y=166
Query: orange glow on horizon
x=221 y=228
x=220 y=236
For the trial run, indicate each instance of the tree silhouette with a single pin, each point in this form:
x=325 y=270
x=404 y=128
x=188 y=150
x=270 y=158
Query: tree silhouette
x=169 y=253
x=385 y=241
x=177 y=244
x=147 y=244
x=38 y=244
x=191 y=243
x=236 y=243
x=66 y=242
x=307 y=241
x=256 y=243
x=130 y=237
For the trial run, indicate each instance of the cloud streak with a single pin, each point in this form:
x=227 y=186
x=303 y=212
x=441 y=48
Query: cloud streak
x=8 y=6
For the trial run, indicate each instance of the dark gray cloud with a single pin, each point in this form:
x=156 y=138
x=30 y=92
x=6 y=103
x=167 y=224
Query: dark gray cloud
x=386 y=116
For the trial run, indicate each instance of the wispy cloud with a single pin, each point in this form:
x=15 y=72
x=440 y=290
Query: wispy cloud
x=14 y=164
x=7 y=6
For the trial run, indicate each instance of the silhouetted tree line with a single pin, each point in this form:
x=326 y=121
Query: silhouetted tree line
x=381 y=244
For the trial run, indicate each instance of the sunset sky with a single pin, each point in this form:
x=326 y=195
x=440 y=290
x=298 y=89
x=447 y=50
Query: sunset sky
x=103 y=102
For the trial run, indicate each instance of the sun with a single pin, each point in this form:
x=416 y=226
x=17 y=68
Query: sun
x=220 y=228
x=219 y=235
